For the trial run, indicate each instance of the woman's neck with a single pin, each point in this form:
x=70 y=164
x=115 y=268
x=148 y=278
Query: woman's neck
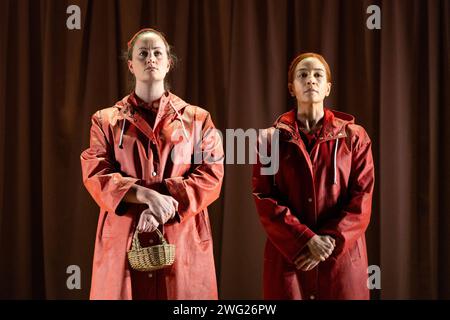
x=310 y=114
x=149 y=92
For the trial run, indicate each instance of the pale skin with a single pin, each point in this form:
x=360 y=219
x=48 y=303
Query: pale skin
x=150 y=64
x=310 y=86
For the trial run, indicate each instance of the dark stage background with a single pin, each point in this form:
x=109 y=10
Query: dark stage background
x=234 y=57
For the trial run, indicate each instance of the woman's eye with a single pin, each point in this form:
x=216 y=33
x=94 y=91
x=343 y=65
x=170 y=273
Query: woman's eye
x=143 y=53
x=318 y=75
x=157 y=53
x=303 y=75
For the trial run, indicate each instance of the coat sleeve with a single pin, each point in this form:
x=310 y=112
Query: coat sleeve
x=106 y=184
x=201 y=187
x=355 y=216
x=283 y=228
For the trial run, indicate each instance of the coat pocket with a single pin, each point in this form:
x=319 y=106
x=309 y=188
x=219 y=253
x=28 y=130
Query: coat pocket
x=202 y=226
x=354 y=251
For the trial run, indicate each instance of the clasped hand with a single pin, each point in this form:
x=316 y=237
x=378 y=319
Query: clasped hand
x=161 y=208
x=319 y=248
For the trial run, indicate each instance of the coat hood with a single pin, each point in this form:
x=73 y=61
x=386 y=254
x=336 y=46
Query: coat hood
x=168 y=101
x=334 y=126
x=169 y=104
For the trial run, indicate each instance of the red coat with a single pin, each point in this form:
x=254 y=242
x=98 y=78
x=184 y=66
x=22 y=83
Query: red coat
x=145 y=159
x=327 y=192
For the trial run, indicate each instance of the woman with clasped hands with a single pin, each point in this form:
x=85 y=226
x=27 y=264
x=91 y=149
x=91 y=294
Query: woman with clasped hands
x=316 y=208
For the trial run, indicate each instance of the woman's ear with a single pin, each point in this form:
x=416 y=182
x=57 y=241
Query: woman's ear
x=328 y=89
x=291 y=91
x=130 y=66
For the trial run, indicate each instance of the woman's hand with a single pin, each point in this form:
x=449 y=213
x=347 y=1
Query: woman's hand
x=321 y=247
x=306 y=261
x=147 y=222
x=161 y=208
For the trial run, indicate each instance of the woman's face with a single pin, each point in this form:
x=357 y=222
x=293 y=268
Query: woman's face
x=310 y=84
x=150 y=62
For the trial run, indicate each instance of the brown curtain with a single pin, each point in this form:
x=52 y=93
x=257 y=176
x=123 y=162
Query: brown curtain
x=234 y=56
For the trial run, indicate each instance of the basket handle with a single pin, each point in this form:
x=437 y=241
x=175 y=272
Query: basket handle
x=137 y=245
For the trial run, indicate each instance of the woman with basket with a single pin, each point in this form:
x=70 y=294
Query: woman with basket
x=153 y=237
x=316 y=208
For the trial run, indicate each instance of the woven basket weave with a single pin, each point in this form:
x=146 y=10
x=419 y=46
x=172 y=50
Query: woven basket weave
x=151 y=258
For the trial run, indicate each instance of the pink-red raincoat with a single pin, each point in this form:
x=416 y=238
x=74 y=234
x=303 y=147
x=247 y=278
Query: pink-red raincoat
x=326 y=192
x=145 y=157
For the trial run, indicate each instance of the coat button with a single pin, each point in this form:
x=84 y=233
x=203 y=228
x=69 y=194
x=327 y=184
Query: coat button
x=154 y=173
x=150 y=275
x=151 y=241
x=312 y=297
x=309 y=199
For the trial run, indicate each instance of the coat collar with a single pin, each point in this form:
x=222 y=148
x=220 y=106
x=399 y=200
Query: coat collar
x=169 y=105
x=333 y=126
x=130 y=102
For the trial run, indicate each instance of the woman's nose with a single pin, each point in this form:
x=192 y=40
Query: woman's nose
x=151 y=58
x=311 y=80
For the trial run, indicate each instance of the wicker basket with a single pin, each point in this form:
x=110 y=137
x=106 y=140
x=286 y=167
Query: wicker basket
x=151 y=258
